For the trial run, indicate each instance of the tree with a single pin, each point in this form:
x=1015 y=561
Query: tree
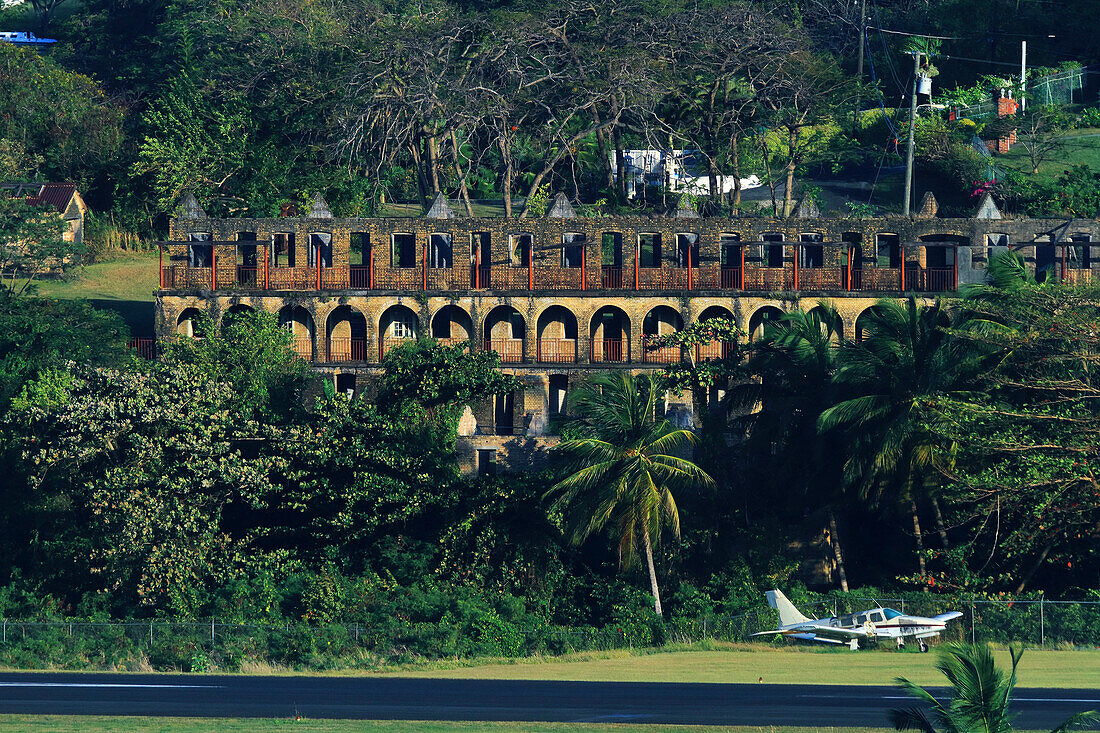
x=891 y=381
x=980 y=695
x=253 y=354
x=1041 y=132
x=31 y=244
x=793 y=366
x=624 y=469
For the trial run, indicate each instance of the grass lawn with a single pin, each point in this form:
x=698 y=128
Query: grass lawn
x=59 y=723
x=792 y=665
x=123 y=285
x=1082 y=147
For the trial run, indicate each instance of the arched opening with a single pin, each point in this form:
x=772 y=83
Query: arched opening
x=397 y=325
x=863 y=321
x=610 y=335
x=235 y=312
x=299 y=322
x=505 y=330
x=758 y=322
x=346 y=335
x=557 y=333
x=451 y=325
x=716 y=349
x=660 y=321
x=189 y=323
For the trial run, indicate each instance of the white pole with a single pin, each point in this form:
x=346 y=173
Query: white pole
x=1023 y=75
x=909 y=143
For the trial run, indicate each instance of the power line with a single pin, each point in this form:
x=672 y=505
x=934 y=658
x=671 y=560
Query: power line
x=915 y=35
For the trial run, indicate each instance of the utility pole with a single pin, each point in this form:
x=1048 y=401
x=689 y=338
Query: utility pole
x=912 y=128
x=1023 y=75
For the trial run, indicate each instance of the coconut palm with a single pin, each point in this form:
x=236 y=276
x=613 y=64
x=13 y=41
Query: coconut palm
x=624 y=468
x=793 y=365
x=906 y=360
x=980 y=695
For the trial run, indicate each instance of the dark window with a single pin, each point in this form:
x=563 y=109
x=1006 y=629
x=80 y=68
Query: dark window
x=813 y=250
x=687 y=246
x=1079 y=255
x=730 y=247
x=504 y=413
x=345 y=385
x=889 y=251
x=521 y=249
x=572 y=250
x=246 y=236
x=773 y=253
x=442 y=255
x=940 y=257
x=649 y=250
x=320 y=244
x=403 y=253
x=486 y=461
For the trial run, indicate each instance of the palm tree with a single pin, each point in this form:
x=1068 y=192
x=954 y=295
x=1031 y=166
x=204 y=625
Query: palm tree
x=894 y=375
x=794 y=364
x=980 y=698
x=624 y=468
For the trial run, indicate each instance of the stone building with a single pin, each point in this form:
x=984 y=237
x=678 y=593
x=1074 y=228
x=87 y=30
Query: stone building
x=561 y=296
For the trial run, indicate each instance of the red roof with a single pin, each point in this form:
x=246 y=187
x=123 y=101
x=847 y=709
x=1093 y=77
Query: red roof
x=57 y=195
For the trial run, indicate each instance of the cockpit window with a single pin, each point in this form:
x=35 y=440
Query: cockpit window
x=876 y=617
x=891 y=613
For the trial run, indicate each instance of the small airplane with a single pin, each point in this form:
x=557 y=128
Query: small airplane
x=25 y=38
x=870 y=625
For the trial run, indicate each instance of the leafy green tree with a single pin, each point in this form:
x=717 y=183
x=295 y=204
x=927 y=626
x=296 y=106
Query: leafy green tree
x=31 y=243
x=981 y=695
x=890 y=382
x=624 y=469
x=793 y=366
x=252 y=353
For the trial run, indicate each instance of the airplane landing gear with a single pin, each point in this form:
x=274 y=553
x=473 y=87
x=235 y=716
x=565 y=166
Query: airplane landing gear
x=901 y=642
x=922 y=645
x=853 y=644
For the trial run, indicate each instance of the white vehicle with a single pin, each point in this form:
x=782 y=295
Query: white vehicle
x=870 y=625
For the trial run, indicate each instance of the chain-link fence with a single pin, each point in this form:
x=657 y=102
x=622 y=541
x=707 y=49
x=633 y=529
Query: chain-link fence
x=212 y=644
x=1059 y=88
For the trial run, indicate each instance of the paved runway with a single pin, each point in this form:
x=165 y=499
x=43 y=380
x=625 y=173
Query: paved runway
x=450 y=699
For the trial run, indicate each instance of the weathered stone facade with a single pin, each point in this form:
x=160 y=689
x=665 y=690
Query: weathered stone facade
x=560 y=297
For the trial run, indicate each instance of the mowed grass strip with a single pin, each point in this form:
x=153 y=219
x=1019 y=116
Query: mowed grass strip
x=106 y=724
x=786 y=665
x=130 y=278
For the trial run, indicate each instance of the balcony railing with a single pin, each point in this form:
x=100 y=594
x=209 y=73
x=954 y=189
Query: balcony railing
x=557 y=351
x=769 y=279
x=714 y=350
x=303 y=347
x=293 y=278
x=611 y=278
x=390 y=342
x=929 y=279
x=821 y=278
x=731 y=278
x=182 y=277
x=145 y=348
x=659 y=354
x=609 y=350
x=662 y=278
x=455 y=342
x=510 y=350
x=359 y=277
x=346 y=349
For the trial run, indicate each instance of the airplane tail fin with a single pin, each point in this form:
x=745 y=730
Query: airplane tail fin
x=788 y=614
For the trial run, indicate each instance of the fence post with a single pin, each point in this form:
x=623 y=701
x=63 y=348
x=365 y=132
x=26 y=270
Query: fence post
x=5 y=631
x=150 y=634
x=972 y=623
x=1042 y=624
x=211 y=632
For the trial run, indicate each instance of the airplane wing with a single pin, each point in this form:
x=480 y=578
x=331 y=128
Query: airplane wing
x=949 y=616
x=820 y=632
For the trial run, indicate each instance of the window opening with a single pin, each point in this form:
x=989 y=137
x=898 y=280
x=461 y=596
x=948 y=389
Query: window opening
x=812 y=251
x=889 y=251
x=442 y=255
x=359 y=248
x=486 y=461
x=649 y=250
x=687 y=246
x=403 y=250
x=520 y=248
x=345 y=385
x=572 y=249
x=773 y=253
x=198 y=253
x=320 y=244
x=283 y=243
x=559 y=386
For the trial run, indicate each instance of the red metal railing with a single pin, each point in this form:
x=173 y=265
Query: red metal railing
x=611 y=277
x=558 y=351
x=662 y=278
x=400 y=278
x=359 y=277
x=564 y=279
x=731 y=278
x=145 y=348
x=880 y=278
x=455 y=342
x=293 y=278
x=341 y=348
x=303 y=347
x=184 y=277
x=609 y=350
x=510 y=350
x=448 y=278
x=506 y=277
x=334 y=278
x=853 y=278
x=659 y=354
x=929 y=279
x=714 y=350
x=389 y=343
